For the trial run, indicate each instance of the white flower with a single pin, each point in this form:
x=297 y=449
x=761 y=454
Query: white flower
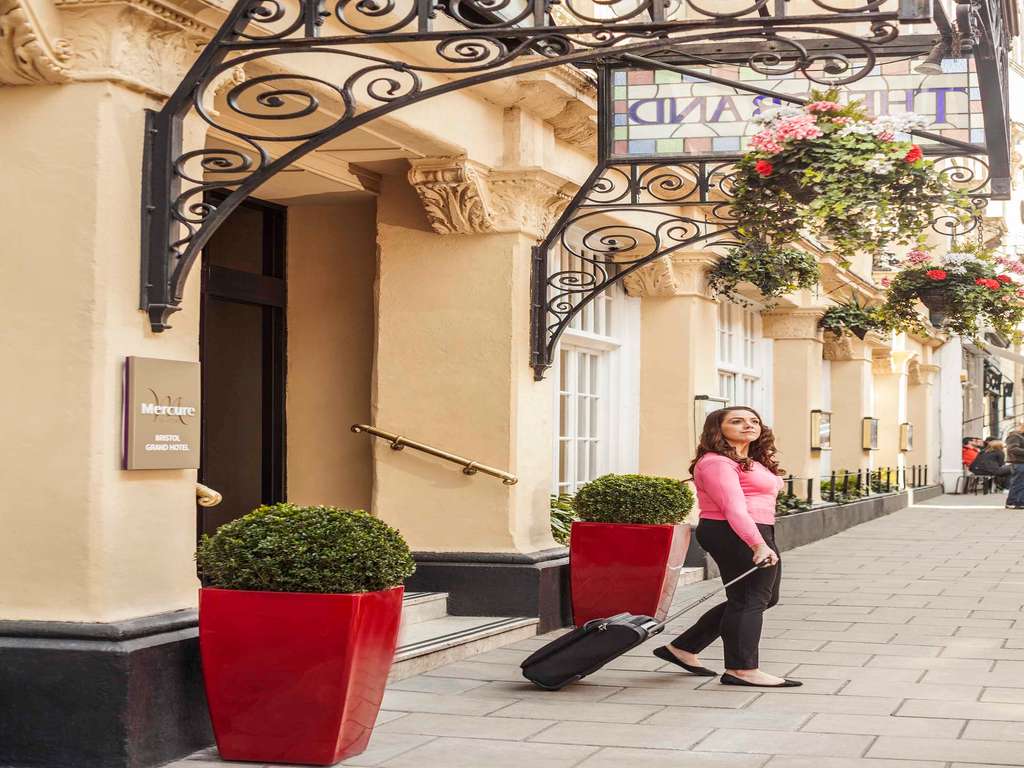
x=860 y=128
x=773 y=115
x=961 y=258
x=879 y=164
x=903 y=123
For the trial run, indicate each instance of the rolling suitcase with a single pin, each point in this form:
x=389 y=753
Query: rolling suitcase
x=586 y=649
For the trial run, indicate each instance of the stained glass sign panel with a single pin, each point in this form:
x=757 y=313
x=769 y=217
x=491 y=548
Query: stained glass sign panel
x=659 y=112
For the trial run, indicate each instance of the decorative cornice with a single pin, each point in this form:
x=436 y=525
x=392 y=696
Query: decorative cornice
x=130 y=43
x=679 y=274
x=801 y=323
x=886 y=361
x=461 y=197
x=29 y=55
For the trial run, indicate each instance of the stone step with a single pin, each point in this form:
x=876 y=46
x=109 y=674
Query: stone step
x=423 y=606
x=426 y=645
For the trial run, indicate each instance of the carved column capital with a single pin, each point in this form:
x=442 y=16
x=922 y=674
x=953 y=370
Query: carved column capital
x=922 y=374
x=453 y=194
x=792 y=324
x=679 y=274
x=462 y=197
x=32 y=50
x=844 y=348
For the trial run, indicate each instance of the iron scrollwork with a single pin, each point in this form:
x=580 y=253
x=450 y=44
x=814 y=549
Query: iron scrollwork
x=469 y=42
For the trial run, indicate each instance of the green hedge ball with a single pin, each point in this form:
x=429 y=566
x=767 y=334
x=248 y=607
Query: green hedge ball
x=288 y=548
x=634 y=499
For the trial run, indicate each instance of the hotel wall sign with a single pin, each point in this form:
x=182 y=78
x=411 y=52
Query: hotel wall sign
x=161 y=414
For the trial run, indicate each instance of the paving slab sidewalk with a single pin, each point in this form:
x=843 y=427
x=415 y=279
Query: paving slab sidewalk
x=908 y=632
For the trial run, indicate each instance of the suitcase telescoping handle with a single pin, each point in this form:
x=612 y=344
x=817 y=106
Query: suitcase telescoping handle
x=669 y=619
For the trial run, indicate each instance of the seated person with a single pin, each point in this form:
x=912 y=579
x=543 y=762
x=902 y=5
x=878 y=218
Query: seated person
x=969 y=452
x=991 y=462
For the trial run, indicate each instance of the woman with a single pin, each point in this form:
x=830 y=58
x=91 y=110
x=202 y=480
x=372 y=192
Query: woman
x=737 y=479
x=991 y=462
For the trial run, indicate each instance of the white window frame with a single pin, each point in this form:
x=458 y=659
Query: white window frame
x=743 y=355
x=618 y=354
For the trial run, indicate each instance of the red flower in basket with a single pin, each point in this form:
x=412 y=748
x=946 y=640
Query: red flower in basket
x=1004 y=278
x=913 y=155
x=988 y=282
x=936 y=274
x=764 y=168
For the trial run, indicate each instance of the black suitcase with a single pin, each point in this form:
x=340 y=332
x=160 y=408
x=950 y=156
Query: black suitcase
x=586 y=649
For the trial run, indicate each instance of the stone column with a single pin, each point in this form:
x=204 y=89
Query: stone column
x=852 y=400
x=922 y=413
x=98 y=613
x=797 y=372
x=677 y=358
x=949 y=358
x=452 y=370
x=889 y=369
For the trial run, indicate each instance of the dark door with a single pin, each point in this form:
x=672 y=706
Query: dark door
x=242 y=350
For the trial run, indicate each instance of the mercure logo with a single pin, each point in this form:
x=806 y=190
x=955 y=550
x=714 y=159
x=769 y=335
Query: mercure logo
x=167 y=408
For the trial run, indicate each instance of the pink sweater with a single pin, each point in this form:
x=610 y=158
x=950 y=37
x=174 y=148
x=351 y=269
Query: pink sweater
x=726 y=492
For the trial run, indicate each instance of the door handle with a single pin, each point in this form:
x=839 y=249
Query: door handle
x=207 y=497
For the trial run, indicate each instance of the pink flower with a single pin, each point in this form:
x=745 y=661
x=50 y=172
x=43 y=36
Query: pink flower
x=765 y=142
x=823 y=106
x=886 y=282
x=917 y=257
x=797 y=128
x=887 y=136
x=1004 y=278
x=988 y=282
x=842 y=120
x=936 y=274
x=764 y=168
x=1020 y=292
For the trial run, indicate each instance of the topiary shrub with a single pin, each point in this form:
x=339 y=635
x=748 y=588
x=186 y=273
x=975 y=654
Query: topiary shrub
x=636 y=499
x=288 y=548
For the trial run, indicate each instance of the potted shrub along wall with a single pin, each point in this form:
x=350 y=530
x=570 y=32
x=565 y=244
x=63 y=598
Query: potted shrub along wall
x=297 y=630
x=627 y=548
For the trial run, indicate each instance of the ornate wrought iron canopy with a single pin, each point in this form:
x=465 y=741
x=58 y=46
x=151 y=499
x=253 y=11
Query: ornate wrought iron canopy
x=394 y=53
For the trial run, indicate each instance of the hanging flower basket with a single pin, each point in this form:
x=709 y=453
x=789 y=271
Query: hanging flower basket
x=963 y=292
x=834 y=172
x=774 y=271
x=938 y=299
x=853 y=317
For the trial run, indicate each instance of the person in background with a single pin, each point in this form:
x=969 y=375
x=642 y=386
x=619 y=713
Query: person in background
x=991 y=462
x=1015 y=456
x=970 y=451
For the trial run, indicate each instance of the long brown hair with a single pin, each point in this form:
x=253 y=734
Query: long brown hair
x=713 y=441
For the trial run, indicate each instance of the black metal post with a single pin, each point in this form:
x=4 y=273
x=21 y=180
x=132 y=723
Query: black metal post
x=789 y=485
x=888 y=480
x=810 y=490
x=832 y=488
x=846 y=483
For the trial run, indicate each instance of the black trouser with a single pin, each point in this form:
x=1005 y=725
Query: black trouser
x=738 y=620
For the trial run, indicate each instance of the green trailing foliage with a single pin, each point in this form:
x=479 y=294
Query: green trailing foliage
x=790 y=504
x=853 y=317
x=636 y=499
x=562 y=517
x=851 y=492
x=773 y=271
x=288 y=548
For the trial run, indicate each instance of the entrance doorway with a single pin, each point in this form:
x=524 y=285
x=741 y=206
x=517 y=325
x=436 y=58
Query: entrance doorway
x=242 y=350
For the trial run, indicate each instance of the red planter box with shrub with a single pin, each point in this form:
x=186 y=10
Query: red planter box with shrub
x=626 y=552
x=298 y=632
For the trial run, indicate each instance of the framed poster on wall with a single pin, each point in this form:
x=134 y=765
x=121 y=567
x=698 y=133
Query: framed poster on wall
x=821 y=430
x=906 y=436
x=869 y=434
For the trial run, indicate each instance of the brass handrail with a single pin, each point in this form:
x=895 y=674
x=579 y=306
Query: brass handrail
x=469 y=467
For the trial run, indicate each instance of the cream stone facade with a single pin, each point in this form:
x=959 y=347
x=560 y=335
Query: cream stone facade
x=408 y=297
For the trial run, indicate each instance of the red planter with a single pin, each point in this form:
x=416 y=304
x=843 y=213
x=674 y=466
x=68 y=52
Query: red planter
x=615 y=568
x=293 y=677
